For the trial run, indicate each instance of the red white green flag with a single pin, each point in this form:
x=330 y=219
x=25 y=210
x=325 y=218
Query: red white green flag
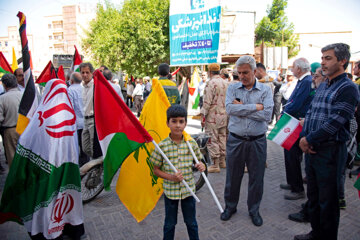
x=47 y=74
x=119 y=131
x=43 y=189
x=4 y=65
x=76 y=61
x=286 y=131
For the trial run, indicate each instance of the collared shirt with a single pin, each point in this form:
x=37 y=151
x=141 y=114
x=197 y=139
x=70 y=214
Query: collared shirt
x=244 y=119
x=75 y=95
x=331 y=110
x=201 y=88
x=138 y=91
x=87 y=96
x=301 y=97
x=9 y=106
x=21 y=88
x=180 y=156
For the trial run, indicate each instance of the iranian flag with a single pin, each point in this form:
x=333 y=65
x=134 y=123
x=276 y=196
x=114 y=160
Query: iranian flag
x=119 y=131
x=76 y=61
x=4 y=65
x=286 y=131
x=43 y=189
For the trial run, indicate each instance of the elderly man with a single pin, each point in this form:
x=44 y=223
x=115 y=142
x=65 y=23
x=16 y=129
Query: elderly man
x=214 y=117
x=297 y=105
x=249 y=105
x=90 y=142
x=201 y=88
x=9 y=105
x=323 y=139
x=19 y=74
x=108 y=75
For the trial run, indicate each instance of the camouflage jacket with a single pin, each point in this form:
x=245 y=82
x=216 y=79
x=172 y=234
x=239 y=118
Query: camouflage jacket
x=214 y=103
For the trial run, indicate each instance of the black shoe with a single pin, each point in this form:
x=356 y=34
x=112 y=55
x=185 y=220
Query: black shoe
x=294 y=195
x=298 y=217
x=226 y=215
x=285 y=186
x=256 y=219
x=308 y=236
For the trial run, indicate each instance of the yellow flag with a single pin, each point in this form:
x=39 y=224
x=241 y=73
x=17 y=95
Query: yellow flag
x=14 y=64
x=137 y=186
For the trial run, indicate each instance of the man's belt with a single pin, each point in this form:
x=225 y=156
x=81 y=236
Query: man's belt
x=88 y=117
x=247 y=138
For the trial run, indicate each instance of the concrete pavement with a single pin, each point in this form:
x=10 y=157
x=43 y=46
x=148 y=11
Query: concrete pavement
x=107 y=218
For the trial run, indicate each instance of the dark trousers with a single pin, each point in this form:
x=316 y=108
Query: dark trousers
x=293 y=159
x=188 y=208
x=83 y=158
x=277 y=106
x=323 y=171
x=129 y=101
x=253 y=154
x=201 y=102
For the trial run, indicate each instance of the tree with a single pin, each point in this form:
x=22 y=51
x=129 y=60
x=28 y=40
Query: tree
x=274 y=29
x=134 y=38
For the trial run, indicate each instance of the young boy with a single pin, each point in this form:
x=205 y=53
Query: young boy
x=176 y=149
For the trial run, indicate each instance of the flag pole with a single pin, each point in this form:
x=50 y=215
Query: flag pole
x=175 y=170
x=206 y=179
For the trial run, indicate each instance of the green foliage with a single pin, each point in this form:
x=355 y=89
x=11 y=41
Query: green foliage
x=134 y=38
x=275 y=29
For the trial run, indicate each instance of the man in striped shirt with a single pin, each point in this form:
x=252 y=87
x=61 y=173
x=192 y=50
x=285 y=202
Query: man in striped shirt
x=323 y=139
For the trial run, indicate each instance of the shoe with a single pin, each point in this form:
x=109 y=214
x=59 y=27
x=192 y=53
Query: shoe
x=294 y=195
x=256 y=219
x=285 y=186
x=298 y=217
x=342 y=203
x=226 y=215
x=308 y=236
x=214 y=169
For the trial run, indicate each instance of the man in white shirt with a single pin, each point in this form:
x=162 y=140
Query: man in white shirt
x=19 y=74
x=138 y=97
x=90 y=142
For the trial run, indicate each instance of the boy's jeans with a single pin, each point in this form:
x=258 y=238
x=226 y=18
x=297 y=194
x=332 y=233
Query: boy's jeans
x=189 y=213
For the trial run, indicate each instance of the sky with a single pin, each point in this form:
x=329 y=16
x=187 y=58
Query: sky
x=307 y=15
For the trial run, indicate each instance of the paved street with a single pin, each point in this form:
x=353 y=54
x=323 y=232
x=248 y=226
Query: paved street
x=106 y=217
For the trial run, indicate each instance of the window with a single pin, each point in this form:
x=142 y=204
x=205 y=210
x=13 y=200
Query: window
x=50 y=37
x=6 y=43
x=49 y=26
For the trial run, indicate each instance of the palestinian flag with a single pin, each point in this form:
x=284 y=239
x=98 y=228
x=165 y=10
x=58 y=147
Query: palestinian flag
x=357 y=184
x=47 y=74
x=4 y=65
x=119 y=131
x=29 y=100
x=76 y=61
x=43 y=189
x=286 y=131
x=61 y=73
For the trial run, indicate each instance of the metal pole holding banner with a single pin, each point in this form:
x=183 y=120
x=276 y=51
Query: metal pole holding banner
x=175 y=170
x=206 y=180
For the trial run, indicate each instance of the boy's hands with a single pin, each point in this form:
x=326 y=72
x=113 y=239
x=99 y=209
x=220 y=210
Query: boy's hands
x=178 y=177
x=200 y=166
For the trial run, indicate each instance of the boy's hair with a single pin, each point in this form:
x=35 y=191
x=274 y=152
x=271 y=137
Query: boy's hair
x=175 y=111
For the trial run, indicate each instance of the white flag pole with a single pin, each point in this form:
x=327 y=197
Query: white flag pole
x=206 y=179
x=175 y=170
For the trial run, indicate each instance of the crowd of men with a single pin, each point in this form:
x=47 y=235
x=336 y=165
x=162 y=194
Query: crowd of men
x=237 y=105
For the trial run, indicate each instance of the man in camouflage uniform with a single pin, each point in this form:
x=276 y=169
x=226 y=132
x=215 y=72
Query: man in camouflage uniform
x=214 y=117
